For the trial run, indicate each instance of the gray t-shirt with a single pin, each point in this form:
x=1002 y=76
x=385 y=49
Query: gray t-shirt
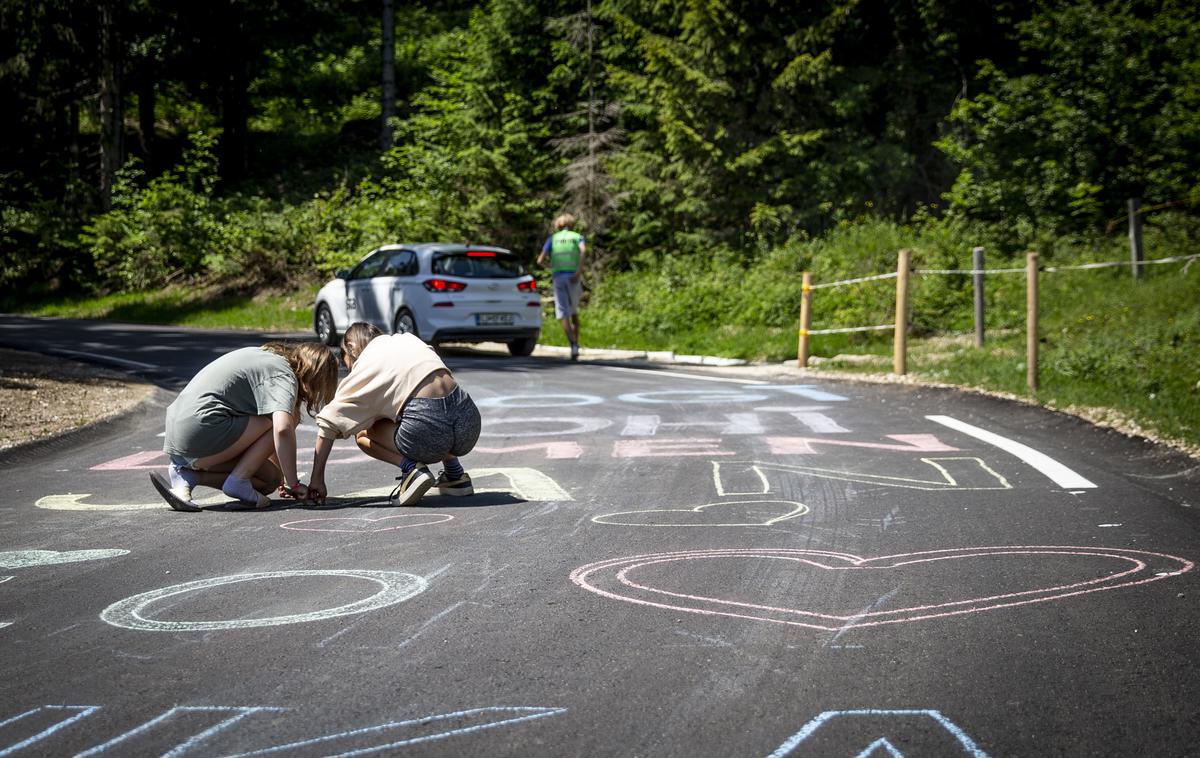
x=213 y=410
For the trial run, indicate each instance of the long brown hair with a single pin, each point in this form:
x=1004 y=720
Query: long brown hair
x=315 y=369
x=356 y=338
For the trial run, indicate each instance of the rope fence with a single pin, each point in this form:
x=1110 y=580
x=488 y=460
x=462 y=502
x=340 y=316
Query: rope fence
x=978 y=271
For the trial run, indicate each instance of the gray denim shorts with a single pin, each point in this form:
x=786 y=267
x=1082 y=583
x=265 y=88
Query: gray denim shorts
x=435 y=428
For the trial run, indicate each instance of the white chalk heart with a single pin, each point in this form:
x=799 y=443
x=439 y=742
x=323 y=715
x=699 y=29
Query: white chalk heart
x=367 y=524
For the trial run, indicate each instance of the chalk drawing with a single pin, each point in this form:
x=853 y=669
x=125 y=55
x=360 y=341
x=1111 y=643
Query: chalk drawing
x=392 y=734
x=1055 y=471
x=3 y=624
x=136 y=461
x=734 y=423
x=72 y=714
x=658 y=447
x=612 y=578
x=542 y=426
x=360 y=524
x=395 y=587
x=957 y=474
x=566 y=450
x=539 y=401
x=798 y=739
x=710 y=514
x=500 y=715
x=238 y=713
x=905 y=443
x=524 y=483
x=30 y=558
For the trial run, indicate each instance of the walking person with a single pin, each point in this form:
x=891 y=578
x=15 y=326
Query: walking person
x=565 y=249
x=402 y=406
x=233 y=427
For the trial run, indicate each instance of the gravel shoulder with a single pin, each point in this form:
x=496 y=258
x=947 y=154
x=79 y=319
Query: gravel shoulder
x=43 y=396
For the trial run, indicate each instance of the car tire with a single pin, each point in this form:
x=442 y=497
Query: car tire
x=326 y=330
x=405 y=323
x=522 y=347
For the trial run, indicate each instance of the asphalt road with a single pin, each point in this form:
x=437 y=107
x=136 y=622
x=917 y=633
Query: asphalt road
x=658 y=563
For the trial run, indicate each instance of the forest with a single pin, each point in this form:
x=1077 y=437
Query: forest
x=266 y=143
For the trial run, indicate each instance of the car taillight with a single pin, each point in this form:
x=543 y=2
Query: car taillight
x=444 y=285
x=481 y=254
x=529 y=286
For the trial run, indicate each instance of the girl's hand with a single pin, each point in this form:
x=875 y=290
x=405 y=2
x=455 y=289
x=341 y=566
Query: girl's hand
x=295 y=491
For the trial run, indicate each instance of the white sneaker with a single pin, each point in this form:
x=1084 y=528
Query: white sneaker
x=412 y=486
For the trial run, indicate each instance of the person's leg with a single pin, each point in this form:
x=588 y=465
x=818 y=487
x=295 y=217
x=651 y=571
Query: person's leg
x=247 y=457
x=465 y=424
x=379 y=442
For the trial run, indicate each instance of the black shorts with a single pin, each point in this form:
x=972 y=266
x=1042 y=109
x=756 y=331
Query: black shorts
x=432 y=429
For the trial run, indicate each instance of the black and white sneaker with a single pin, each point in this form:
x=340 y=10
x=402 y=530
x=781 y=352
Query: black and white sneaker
x=174 y=498
x=454 y=487
x=412 y=486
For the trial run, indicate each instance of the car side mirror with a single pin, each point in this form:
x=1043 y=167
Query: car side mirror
x=342 y=273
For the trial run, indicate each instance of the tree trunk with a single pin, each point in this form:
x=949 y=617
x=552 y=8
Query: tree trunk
x=388 y=55
x=111 y=113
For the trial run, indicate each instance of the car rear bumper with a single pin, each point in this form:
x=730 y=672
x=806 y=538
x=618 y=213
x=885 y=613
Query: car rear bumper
x=469 y=334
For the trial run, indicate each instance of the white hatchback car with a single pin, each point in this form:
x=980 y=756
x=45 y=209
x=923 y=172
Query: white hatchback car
x=442 y=292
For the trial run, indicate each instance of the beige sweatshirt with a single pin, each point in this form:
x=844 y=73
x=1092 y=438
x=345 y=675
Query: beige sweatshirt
x=385 y=375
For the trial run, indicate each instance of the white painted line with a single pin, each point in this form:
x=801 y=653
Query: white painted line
x=1055 y=471
x=685 y=375
x=107 y=359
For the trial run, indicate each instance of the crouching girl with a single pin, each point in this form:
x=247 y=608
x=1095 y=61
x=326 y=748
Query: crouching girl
x=234 y=426
x=403 y=407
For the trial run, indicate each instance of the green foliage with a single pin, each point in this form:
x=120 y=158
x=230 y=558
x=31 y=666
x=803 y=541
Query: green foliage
x=1102 y=108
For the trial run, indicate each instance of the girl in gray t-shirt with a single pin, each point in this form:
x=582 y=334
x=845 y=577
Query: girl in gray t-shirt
x=234 y=425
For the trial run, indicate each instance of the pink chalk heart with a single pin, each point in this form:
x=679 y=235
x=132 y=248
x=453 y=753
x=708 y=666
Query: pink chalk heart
x=366 y=523
x=819 y=589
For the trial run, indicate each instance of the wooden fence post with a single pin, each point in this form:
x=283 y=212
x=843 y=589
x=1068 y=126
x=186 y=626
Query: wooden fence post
x=805 y=319
x=977 y=265
x=1136 y=253
x=1031 y=321
x=900 y=341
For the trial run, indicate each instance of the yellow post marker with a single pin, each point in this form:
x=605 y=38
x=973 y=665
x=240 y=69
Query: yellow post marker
x=1031 y=321
x=900 y=342
x=805 y=319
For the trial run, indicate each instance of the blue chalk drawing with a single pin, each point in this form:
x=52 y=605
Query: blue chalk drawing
x=488 y=718
x=80 y=712
x=969 y=746
x=239 y=714
x=509 y=715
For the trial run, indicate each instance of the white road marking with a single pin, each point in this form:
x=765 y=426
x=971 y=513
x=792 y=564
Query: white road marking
x=1055 y=471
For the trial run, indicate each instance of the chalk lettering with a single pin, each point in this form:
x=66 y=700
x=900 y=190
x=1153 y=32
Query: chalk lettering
x=669 y=447
x=959 y=474
x=569 y=449
x=804 y=738
x=911 y=443
x=734 y=423
x=539 y=401
x=395 y=587
x=544 y=426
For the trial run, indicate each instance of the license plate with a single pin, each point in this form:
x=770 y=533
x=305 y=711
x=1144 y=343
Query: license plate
x=495 y=319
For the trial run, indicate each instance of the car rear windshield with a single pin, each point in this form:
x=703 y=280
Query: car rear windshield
x=478 y=265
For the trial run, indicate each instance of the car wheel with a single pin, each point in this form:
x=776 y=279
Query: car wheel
x=326 y=331
x=405 y=323
x=523 y=346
